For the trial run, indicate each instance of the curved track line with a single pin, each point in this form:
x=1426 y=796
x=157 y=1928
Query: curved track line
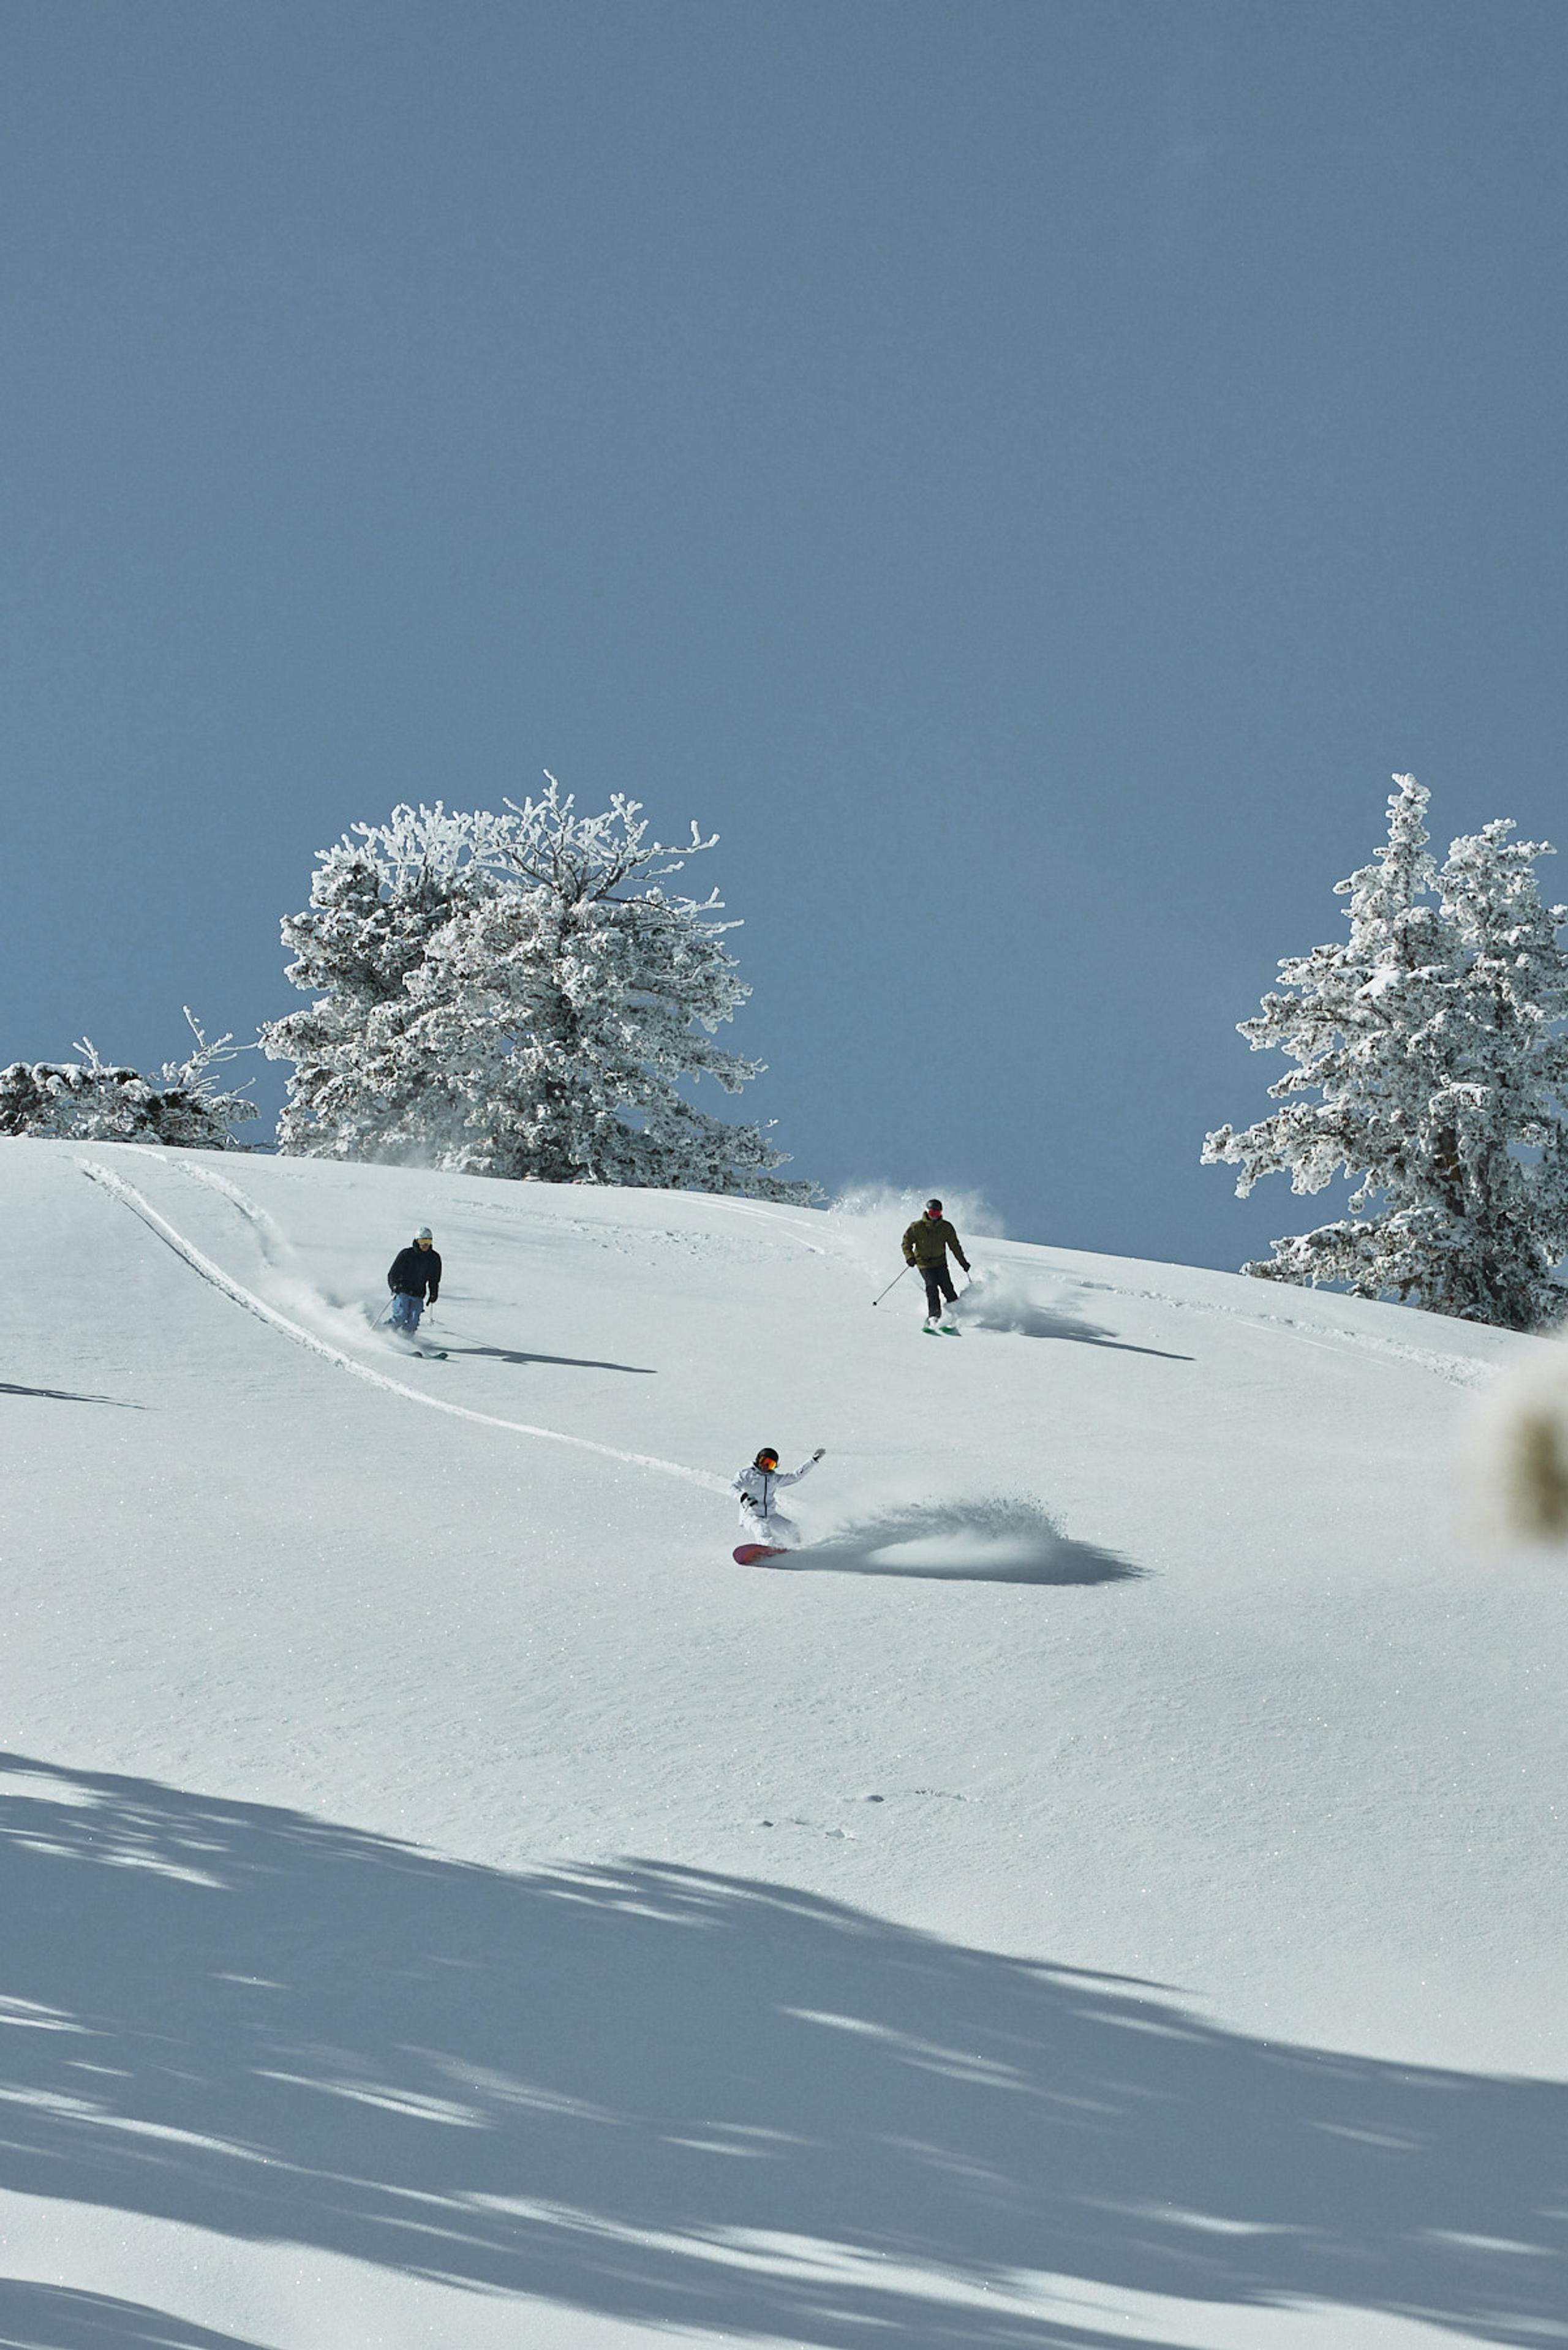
x=129 y=1197
x=275 y=1242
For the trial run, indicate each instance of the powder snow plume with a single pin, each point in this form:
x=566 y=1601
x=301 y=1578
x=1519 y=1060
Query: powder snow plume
x=870 y=1219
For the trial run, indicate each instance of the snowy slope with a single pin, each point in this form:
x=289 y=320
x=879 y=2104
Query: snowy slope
x=1108 y=1888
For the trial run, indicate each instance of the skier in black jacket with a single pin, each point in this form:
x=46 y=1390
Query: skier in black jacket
x=414 y=1281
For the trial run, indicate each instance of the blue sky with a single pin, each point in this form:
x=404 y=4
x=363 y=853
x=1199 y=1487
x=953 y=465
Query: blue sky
x=1025 y=475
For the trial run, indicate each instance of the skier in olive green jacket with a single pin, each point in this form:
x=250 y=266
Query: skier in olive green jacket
x=925 y=1244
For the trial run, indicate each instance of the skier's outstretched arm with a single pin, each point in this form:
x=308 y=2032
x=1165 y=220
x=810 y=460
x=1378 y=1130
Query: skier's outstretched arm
x=794 y=1476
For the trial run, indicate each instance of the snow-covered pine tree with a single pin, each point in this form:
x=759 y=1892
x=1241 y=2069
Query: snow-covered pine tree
x=92 y=1100
x=532 y=1015
x=1433 y=1040
x=1501 y=1118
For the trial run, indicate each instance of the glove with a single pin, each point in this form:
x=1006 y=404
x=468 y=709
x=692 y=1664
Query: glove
x=747 y=1502
x=818 y=1453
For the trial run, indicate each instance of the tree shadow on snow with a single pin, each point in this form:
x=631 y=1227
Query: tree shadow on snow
x=993 y=1540
x=68 y=1395
x=687 y=2099
x=56 y=2317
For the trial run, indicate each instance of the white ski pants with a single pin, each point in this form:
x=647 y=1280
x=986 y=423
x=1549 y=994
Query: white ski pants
x=775 y=1528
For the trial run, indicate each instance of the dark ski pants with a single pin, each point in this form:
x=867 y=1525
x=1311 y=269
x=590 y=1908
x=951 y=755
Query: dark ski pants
x=938 y=1283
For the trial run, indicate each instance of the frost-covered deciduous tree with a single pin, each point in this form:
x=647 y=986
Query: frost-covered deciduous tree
x=363 y=1084
x=1431 y=1066
x=91 y=1100
x=518 y=995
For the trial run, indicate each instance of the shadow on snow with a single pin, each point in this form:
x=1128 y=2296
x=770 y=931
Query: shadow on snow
x=68 y=1395
x=689 y=2099
x=56 y=2317
x=1059 y=1322
x=1000 y=1305
x=564 y=1362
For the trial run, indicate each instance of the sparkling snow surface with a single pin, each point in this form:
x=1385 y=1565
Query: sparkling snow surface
x=1108 y=1888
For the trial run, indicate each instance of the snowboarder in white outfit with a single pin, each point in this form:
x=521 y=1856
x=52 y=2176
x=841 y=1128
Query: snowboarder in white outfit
x=757 y=1486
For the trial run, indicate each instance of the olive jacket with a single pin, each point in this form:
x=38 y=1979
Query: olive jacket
x=927 y=1241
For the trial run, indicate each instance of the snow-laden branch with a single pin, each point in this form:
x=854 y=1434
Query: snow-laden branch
x=95 y=1100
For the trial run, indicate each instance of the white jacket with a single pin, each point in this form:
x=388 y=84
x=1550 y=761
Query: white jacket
x=758 y=1487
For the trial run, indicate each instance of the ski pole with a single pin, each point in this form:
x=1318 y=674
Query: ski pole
x=383 y=1315
x=897 y=1277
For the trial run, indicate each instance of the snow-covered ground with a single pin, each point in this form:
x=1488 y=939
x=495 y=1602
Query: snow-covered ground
x=1109 y=1888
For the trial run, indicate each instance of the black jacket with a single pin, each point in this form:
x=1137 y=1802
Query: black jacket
x=416 y=1273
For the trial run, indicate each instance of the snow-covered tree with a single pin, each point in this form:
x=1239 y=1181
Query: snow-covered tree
x=1432 y=1067
x=363 y=1085
x=517 y=995
x=91 y=1100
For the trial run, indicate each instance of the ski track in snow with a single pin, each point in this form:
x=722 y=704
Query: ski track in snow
x=129 y=1197
x=275 y=1245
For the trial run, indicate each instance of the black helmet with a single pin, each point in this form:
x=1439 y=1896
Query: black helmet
x=933 y=1203
x=768 y=1452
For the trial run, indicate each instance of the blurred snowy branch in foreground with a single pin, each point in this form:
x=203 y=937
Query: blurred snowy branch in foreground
x=1516 y=1474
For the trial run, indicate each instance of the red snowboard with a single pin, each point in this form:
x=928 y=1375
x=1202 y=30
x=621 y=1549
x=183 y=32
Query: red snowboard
x=749 y=1552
